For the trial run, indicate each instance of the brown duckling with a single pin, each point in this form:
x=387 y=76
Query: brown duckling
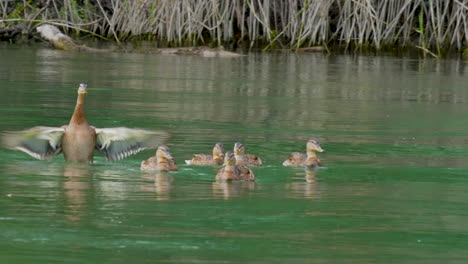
x=162 y=161
x=245 y=159
x=78 y=140
x=308 y=159
x=207 y=160
x=232 y=172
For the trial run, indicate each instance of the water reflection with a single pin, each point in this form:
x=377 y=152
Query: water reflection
x=305 y=186
x=248 y=80
x=33 y=167
x=230 y=189
x=161 y=184
x=76 y=188
x=69 y=183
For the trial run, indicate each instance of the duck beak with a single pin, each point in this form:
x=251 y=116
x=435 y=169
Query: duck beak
x=168 y=155
x=237 y=148
x=83 y=88
x=220 y=149
x=229 y=159
x=319 y=149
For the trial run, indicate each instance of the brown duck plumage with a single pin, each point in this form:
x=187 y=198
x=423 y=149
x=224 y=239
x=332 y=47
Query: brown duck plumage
x=245 y=159
x=232 y=172
x=78 y=139
x=309 y=159
x=206 y=160
x=162 y=161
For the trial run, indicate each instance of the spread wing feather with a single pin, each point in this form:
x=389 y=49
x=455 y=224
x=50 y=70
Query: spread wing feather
x=39 y=142
x=120 y=142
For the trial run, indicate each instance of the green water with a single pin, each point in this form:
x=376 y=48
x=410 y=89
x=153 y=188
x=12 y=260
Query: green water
x=394 y=188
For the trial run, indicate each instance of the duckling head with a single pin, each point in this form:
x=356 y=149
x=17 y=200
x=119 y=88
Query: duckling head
x=218 y=150
x=314 y=146
x=164 y=148
x=239 y=148
x=162 y=153
x=229 y=159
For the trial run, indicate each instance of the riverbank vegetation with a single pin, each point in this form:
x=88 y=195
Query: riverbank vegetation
x=435 y=27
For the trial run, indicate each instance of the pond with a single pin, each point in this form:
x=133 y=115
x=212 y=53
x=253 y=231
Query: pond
x=393 y=188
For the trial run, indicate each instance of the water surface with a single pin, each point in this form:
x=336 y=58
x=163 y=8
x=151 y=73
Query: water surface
x=393 y=188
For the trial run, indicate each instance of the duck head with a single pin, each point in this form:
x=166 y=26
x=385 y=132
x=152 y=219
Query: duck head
x=162 y=153
x=83 y=89
x=313 y=146
x=239 y=148
x=229 y=159
x=218 y=150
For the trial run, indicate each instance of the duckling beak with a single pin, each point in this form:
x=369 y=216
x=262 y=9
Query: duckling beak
x=163 y=153
x=319 y=148
x=229 y=159
x=168 y=155
x=313 y=145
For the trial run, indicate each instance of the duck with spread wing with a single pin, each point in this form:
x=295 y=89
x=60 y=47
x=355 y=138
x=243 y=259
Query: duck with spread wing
x=78 y=140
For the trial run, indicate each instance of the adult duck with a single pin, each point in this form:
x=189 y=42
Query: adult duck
x=245 y=159
x=162 y=161
x=232 y=172
x=309 y=159
x=78 y=140
x=207 y=160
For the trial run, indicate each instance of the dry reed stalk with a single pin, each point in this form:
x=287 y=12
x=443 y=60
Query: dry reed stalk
x=292 y=23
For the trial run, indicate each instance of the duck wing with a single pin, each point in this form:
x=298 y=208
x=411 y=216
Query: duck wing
x=120 y=142
x=39 y=142
x=246 y=173
x=251 y=159
x=201 y=159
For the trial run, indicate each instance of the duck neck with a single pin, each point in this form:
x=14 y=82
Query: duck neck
x=311 y=154
x=229 y=168
x=239 y=158
x=78 y=116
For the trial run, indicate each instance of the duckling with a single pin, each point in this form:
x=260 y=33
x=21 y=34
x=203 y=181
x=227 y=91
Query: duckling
x=203 y=159
x=162 y=161
x=232 y=172
x=308 y=159
x=245 y=159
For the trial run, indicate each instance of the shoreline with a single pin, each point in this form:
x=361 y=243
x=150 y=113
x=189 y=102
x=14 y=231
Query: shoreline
x=151 y=47
x=435 y=28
